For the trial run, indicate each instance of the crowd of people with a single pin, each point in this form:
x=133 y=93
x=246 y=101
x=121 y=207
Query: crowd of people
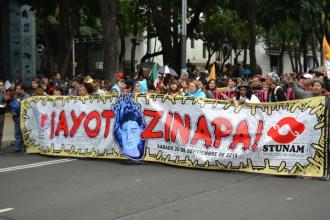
x=267 y=87
x=237 y=88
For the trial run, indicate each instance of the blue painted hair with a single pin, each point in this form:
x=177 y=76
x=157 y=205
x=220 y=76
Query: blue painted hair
x=125 y=110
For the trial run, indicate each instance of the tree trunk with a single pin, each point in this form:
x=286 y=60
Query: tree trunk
x=245 y=55
x=321 y=50
x=237 y=54
x=162 y=20
x=163 y=14
x=292 y=62
x=298 y=58
x=109 y=9
x=210 y=54
x=252 y=29
x=122 y=52
x=316 y=62
x=134 y=39
x=304 y=50
x=68 y=21
x=281 y=66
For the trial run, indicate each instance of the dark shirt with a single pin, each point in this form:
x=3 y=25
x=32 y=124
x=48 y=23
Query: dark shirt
x=279 y=96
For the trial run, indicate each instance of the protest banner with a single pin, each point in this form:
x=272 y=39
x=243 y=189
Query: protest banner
x=288 y=138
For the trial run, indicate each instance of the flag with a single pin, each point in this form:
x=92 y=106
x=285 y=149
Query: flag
x=326 y=55
x=213 y=74
x=326 y=49
x=154 y=75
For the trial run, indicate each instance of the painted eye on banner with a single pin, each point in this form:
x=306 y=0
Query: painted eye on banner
x=286 y=130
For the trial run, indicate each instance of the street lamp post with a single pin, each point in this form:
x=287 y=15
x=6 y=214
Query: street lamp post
x=184 y=35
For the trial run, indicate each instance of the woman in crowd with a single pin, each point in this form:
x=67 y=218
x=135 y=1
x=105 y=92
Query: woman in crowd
x=194 y=91
x=202 y=84
x=232 y=85
x=44 y=83
x=137 y=87
x=174 y=88
x=184 y=87
x=82 y=91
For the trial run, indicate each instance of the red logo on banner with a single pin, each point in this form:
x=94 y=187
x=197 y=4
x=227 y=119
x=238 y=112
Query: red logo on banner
x=43 y=119
x=286 y=130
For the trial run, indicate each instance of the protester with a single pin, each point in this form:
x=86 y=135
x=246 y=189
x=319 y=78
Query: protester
x=73 y=87
x=39 y=92
x=14 y=103
x=194 y=91
x=35 y=84
x=316 y=90
x=276 y=93
x=51 y=88
x=256 y=83
x=3 y=106
x=58 y=91
x=211 y=85
x=244 y=94
x=232 y=83
x=137 y=87
x=82 y=91
x=202 y=84
x=184 y=87
x=44 y=83
x=174 y=88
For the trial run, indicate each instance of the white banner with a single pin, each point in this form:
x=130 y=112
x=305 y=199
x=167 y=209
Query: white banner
x=286 y=139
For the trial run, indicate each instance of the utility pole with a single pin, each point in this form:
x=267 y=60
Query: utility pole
x=184 y=35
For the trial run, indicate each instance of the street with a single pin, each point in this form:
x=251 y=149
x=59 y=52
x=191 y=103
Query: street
x=37 y=187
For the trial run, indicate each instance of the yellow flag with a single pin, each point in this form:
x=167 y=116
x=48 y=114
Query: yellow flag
x=326 y=49
x=213 y=74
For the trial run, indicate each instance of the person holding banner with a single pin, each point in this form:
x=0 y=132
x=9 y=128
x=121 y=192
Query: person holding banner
x=2 y=109
x=244 y=94
x=276 y=93
x=317 y=88
x=194 y=91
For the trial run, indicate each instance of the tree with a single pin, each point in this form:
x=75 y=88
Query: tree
x=62 y=17
x=253 y=34
x=223 y=32
x=166 y=18
x=126 y=22
x=108 y=9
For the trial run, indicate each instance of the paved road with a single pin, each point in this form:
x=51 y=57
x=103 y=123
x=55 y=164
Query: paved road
x=36 y=187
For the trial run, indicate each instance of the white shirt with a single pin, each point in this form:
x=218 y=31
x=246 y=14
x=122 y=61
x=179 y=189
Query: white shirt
x=254 y=99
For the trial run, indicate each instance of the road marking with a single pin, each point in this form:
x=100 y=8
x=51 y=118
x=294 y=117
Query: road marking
x=33 y=165
x=5 y=210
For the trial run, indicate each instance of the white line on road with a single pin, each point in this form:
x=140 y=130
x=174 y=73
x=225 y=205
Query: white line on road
x=5 y=210
x=33 y=165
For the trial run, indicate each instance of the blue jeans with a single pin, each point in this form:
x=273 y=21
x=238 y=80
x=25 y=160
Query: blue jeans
x=18 y=134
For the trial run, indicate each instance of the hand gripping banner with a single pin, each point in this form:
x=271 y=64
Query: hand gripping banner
x=289 y=138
